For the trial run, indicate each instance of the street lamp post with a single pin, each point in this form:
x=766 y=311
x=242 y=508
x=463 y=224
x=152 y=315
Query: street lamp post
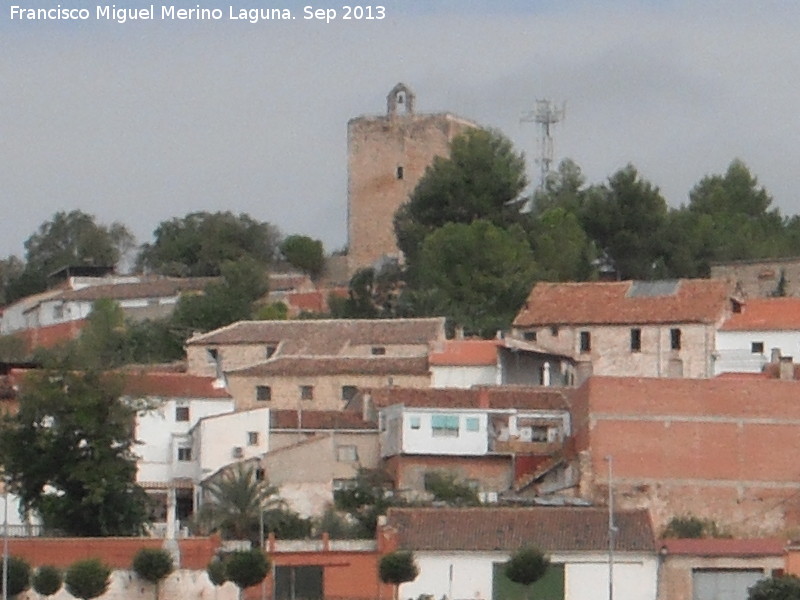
x=612 y=528
x=5 y=539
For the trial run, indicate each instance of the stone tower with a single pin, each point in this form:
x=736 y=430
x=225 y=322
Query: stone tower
x=386 y=156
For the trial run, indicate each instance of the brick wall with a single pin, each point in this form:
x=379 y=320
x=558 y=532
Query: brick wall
x=494 y=473
x=760 y=279
x=718 y=449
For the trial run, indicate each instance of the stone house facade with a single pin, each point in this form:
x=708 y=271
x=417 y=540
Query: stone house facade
x=761 y=278
x=386 y=157
x=631 y=328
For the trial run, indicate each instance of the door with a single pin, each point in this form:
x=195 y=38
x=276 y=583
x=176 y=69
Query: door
x=723 y=584
x=298 y=583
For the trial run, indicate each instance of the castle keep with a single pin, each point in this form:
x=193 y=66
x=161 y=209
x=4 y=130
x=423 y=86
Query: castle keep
x=386 y=157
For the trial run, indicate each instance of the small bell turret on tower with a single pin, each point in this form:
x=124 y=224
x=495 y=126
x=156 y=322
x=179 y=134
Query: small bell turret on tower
x=401 y=98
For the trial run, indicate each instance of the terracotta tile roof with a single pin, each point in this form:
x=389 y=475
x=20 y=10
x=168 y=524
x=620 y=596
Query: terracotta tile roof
x=336 y=365
x=172 y=385
x=156 y=288
x=553 y=529
x=533 y=398
x=724 y=547
x=317 y=419
x=326 y=337
x=736 y=375
x=765 y=314
x=693 y=301
x=466 y=353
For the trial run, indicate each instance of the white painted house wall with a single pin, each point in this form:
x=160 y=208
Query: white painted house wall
x=734 y=349
x=417 y=434
x=468 y=575
x=464 y=377
x=160 y=435
x=216 y=439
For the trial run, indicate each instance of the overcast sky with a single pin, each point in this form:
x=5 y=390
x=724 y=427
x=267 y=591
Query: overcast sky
x=144 y=121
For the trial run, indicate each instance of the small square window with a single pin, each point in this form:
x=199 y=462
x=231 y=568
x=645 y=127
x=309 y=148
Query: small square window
x=58 y=312
x=263 y=393
x=348 y=392
x=306 y=392
x=636 y=340
x=184 y=454
x=586 y=341
x=181 y=413
x=554 y=330
x=400 y=172
x=212 y=355
x=472 y=424
x=252 y=438
x=529 y=336
x=757 y=347
x=378 y=350
x=414 y=422
x=675 y=339
x=346 y=453
x=261 y=474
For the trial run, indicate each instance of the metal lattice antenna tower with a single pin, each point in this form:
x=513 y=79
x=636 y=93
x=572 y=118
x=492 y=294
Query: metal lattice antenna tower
x=545 y=115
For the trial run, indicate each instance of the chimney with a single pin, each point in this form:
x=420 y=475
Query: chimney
x=786 y=368
x=775 y=355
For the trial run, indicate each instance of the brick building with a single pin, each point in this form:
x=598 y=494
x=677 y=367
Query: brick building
x=387 y=155
x=723 y=449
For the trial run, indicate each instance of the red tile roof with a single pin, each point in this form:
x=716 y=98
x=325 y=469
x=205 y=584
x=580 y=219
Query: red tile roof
x=335 y=365
x=151 y=288
x=172 y=385
x=326 y=337
x=466 y=353
x=766 y=314
x=553 y=529
x=533 y=398
x=724 y=547
x=694 y=301
x=317 y=419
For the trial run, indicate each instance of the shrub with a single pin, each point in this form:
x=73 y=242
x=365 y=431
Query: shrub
x=87 y=578
x=527 y=566
x=216 y=572
x=152 y=564
x=19 y=576
x=398 y=567
x=47 y=580
x=246 y=568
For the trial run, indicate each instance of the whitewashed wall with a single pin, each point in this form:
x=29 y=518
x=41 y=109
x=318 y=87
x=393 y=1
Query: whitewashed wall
x=463 y=377
x=734 y=349
x=219 y=435
x=585 y=575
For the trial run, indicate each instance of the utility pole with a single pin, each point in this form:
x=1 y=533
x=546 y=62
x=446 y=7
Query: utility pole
x=612 y=528
x=5 y=538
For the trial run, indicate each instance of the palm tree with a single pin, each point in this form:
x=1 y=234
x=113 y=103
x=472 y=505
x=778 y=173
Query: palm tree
x=234 y=502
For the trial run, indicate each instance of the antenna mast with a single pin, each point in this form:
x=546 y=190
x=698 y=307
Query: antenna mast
x=545 y=115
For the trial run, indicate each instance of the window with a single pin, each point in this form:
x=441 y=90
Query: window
x=346 y=453
x=757 y=347
x=184 y=454
x=472 y=424
x=554 y=330
x=306 y=392
x=675 y=339
x=399 y=172
x=538 y=433
x=181 y=413
x=529 y=336
x=212 y=355
x=414 y=422
x=586 y=341
x=444 y=425
x=58 y=312
x=261 y=474
x=348 y=392
x=378 y=351
x=263 y=393
x=270 y=350
x=636 y=339
x=252 y=438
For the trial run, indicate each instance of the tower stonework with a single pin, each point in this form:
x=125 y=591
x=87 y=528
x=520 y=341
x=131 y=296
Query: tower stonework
x=386 y=157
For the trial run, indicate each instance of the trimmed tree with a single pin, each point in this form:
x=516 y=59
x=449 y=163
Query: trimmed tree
x=87 y=578
x=398 y=567
x=47 y=580
x=153 y=565
x=246 y=568
x=216 y=572
x=786 y=587
x=527 y=566
x=19 y=576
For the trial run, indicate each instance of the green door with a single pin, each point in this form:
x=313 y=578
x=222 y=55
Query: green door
x=549 y=587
